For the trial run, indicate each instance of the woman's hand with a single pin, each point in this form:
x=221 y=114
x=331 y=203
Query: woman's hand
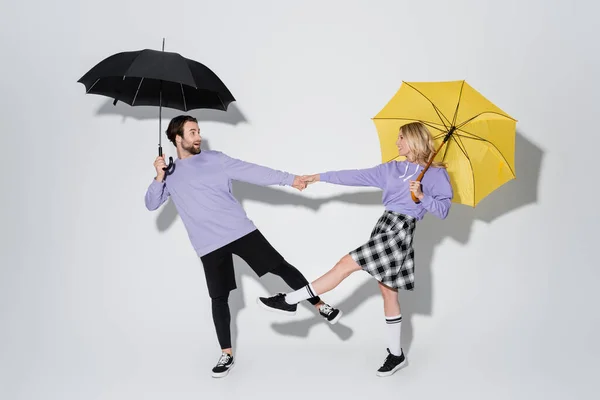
x=308 y=179
x=415 y=187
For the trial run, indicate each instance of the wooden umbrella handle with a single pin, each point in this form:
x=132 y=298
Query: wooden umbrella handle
x=415 y=199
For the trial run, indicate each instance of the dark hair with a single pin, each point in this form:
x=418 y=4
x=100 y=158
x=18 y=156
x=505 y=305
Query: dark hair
x=175 y=127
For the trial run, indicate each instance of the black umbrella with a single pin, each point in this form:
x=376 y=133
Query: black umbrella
x=157 y=78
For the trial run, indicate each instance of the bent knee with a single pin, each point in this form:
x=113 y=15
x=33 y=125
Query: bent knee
x=388 y=294
x=390 y=297
x=223 y=299
x=347 y=265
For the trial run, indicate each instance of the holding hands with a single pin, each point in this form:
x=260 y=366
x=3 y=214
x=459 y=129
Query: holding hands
x=301 y=182
x=308 y=179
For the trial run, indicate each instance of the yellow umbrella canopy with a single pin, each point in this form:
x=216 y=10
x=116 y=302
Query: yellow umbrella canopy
x=474 y=137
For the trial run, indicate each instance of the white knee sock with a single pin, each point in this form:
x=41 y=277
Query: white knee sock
x=303 y=293
x=394 y=327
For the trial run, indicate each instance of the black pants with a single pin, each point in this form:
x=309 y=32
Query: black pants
x=220 y=276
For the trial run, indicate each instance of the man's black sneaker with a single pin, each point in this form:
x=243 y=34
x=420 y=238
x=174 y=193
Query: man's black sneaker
x=332 y=315
x=392 y=364
x=278 y=304
x=223 y=366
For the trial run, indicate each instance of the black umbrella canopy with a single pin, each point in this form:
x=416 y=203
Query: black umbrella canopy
x=157 y=78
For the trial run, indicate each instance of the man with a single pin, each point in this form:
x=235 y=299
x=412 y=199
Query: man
x=217 y=225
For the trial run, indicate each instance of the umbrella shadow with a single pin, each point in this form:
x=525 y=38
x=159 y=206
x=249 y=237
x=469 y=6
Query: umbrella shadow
x=431 y=231
x=516 y=194
x=233 y=115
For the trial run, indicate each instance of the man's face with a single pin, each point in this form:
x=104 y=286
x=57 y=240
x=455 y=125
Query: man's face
x=191 y=139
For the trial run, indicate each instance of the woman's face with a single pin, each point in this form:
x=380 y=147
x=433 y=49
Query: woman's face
x=402 y=144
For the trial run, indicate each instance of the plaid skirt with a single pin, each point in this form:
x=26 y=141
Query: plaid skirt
x=389 y=256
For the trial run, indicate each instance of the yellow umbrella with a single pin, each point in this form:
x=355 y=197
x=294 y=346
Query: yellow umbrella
x=479 y=137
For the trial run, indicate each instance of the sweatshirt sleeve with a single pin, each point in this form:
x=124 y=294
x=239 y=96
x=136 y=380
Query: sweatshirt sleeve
x=252 y=173
x=437 y=196
x=156 y=195
x=374 y=177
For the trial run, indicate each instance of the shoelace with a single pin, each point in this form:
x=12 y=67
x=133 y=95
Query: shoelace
x=223 y=360
x=326 y=309
x=389 y=361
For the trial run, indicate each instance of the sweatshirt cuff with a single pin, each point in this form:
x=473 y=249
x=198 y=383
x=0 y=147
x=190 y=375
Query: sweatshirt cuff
x=426 y=200
x=324 y=177
x=156 y=184
x=290 y=179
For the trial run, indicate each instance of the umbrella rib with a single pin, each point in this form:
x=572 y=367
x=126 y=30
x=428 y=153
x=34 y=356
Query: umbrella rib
x=131 y=63
x=221 y=100
x=91 y=87
x=490 y=143
x=473 y=136
x=470 y=164
x=458 y=104
x=428 y=123
x=137 y=91
x=437 y=111
x=183 y=95
x=480 y=114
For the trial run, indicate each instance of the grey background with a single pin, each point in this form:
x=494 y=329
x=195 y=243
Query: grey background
x=101 y=299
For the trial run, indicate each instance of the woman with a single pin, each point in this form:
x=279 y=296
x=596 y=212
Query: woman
x=388 y=255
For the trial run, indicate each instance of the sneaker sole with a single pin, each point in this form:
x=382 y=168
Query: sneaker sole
x=275 y=310
x=399 y=366
x=336 y=319
x=223 y=374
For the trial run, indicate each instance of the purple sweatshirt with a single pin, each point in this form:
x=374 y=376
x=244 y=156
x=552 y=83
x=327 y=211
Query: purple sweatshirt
x=200 y=188
x=394 y=179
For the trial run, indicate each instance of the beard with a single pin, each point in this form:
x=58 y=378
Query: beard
x=192 y=149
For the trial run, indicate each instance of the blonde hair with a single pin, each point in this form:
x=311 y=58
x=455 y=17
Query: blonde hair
x=421 y=143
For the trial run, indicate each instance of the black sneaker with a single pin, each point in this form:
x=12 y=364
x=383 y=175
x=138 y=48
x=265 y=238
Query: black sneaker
x=223 y=366
x=391 y=364
x=332 y=315
x=278 y=304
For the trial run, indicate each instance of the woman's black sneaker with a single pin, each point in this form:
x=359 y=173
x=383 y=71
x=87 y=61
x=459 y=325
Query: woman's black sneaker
x=392 y=364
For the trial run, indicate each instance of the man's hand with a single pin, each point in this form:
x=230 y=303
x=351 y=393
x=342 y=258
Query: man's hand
x=299 y=183
x=159 y=164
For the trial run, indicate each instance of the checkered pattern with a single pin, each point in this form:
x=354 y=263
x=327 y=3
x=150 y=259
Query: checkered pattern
x=389 y=256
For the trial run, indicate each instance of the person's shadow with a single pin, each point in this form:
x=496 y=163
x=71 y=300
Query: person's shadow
x=272 y=284
x=518 y=193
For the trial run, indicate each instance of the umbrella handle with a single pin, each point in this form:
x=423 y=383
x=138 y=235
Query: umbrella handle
x=429 y=164
x=168 y=167
x=414 y=198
